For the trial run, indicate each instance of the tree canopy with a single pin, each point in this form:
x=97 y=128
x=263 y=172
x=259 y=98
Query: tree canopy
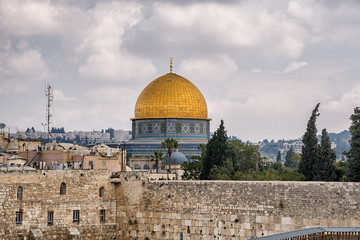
x=354 y=152
x=169 y=144
x=309 y=149
x=324 y=168
x=216 y=151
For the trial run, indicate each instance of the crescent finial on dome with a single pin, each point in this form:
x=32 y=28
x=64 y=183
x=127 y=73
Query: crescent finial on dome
x=171 y=66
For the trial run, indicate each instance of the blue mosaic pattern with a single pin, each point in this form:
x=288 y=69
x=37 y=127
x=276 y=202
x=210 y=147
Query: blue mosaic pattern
x=146 y=128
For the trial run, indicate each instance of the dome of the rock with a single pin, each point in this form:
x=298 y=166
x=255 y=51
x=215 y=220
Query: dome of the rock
x=168 y=107
x=171 y=96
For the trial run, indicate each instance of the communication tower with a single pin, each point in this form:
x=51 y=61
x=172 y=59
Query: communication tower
x=50 y=97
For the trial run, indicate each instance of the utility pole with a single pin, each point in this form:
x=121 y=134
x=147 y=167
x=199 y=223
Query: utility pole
x=50 y=97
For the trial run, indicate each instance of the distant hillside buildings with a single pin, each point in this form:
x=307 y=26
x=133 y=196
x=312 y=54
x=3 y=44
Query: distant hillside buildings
x=80 y=137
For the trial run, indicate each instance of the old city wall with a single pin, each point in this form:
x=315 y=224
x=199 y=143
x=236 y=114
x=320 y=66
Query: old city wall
x=231 y=209
x=138 y=208
x=41 y=194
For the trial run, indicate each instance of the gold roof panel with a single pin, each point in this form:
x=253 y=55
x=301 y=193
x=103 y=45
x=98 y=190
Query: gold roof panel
x=171 y=96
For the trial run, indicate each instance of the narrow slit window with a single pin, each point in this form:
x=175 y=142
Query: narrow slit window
x=50 y=218
x=101 y=192
x=102 y=215
x=63 y=189
x=19 y=217
x=19 y=193
x=76 y=216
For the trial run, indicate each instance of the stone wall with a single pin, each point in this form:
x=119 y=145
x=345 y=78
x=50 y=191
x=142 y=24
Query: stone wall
x=41 y=194
x=139 y=208
x=232 y=210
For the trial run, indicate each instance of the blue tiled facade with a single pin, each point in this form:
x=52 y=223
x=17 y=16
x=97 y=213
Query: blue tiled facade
x=147 y=135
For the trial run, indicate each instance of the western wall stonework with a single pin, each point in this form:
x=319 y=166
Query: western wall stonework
x=139 y=208
x=233 y=209
x=41 y=194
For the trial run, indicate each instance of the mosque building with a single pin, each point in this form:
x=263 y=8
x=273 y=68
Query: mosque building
x=169 y=107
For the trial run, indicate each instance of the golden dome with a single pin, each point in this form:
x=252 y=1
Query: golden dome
x=171 y=96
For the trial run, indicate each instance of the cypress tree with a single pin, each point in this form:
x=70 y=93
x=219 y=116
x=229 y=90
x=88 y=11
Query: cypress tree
x=354 y=152
x=278 y=158
x=309 y=149
x=289 y=160
x=324 y=168
x=215 y=154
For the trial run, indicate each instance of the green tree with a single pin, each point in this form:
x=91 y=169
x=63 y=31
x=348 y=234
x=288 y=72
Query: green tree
x=192 y=170
x=324 y=168
x=354 y=152
x=278 y=165
x=309 y=149
x=169 y=144
x=216 y=150
x=290 y=160
x=158 y=155
x=278 y=158
x=77 y=139
x=244 y=155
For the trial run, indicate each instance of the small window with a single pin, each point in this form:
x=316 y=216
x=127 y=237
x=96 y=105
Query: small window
x=19 y=217
x=19 y=193
x=63 y=189
x=104 y=163
x=50 y=218
x=102 y=215
x=101 y=192
x=76 y=216
x=91 y=163
x=146 y=167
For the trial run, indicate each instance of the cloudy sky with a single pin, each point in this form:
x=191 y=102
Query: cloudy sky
x=262 y=65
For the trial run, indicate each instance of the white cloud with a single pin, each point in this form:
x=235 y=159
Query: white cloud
x=20 y=69
x=104 y=59
x=294 y=66
x=26 y=18
x=217 y=69
x=60 y=96
x=348 y=101
x=98 y=53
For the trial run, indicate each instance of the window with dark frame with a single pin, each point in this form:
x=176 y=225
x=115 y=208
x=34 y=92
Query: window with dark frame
x=63 y=189
x=19 y=217
x=102 y=215
x=19 y=193
x=76 y=216
x=50 y=217
x=101 y=192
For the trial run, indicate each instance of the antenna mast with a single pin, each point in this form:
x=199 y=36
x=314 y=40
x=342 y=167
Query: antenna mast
x=50 y=97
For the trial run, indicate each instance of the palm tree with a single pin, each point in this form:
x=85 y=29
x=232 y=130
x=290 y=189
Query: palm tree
x=157 y=156
x=169 y=144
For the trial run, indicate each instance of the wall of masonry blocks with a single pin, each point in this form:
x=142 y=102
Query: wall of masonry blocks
x=139 y=208
x=232 y=210
x=41 y=193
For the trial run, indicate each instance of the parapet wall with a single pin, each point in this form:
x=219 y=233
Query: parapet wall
x=232 y=209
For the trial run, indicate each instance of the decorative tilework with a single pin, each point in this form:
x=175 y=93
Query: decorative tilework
x=178 y=127
x=185 y=128
x=163 y=127
x=197 y=128
x=143 y=129
x=192 y=130
x=156 y=128
x=171 y=128
x=140 y=128
x=201 y=128
x=150 y=128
